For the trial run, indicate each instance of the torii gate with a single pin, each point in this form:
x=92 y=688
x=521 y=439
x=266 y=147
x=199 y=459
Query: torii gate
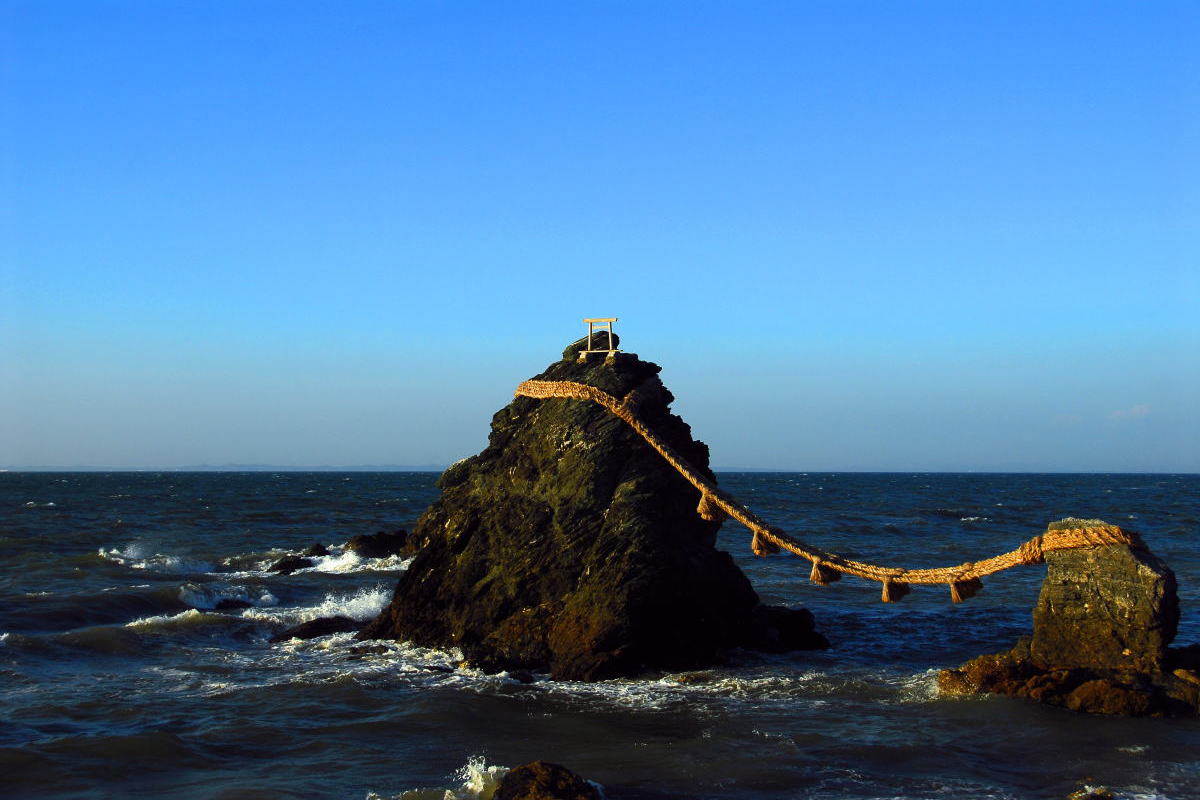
x=596 y=325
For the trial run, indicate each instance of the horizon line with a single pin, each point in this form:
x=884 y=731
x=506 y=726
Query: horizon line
x=442 y=468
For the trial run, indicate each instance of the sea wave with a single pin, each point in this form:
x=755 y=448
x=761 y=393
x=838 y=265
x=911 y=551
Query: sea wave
x=209 y=596
x=184 y=619
x=137 y=556
x=477 y=781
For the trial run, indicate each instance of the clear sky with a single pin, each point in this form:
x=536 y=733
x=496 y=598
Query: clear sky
x=857 y=235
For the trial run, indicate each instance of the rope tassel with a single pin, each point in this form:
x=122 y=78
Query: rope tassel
x=894 y=590
x=822 y=575
x=965 y=590
x=708 y=510
x=761 y=546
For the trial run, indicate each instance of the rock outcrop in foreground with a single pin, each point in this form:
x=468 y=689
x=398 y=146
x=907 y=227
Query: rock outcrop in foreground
x=569 y=545
x=1101 y=630
x=542 y=780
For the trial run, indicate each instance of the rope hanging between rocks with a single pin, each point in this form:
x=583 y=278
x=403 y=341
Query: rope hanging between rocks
x=963 y=580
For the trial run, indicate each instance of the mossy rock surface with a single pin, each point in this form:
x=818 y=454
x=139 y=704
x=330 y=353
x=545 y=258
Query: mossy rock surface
x=570 y=545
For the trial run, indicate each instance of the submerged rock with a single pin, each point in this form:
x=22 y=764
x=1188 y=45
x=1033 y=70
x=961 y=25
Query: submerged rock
x=542 y=780
x=378 y=545
x=317 y=627
x=289 y=564
x=1101 y=630
x=570 y=545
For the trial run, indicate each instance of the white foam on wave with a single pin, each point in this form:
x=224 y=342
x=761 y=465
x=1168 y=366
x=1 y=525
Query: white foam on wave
x=3 y=638
x=340 y=561
x=919 y=688
x=478 y=781
x=350 y=561
x=725 y=687
x=184 y=619
x=137 y=556
x=362 y=605
x=209 y=596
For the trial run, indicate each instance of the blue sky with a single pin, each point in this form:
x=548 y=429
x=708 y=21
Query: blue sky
x=856 y=235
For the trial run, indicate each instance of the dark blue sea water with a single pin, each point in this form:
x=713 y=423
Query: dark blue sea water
x=119 y=679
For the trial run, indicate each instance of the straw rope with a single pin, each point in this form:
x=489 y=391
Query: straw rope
x=964 y=579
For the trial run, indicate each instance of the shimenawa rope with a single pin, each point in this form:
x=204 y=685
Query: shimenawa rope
x=964 y=579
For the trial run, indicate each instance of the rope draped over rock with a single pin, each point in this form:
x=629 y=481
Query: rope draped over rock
x=963 y=580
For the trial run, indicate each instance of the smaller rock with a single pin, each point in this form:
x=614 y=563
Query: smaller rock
x=289 y=564
x=1106 y=607
x=317 y=549
x=690 y=678
x=522 y=676
x=776 y=629
x=1102 y=696
x=368 y=649
x=232 y=604
x=378 y=545
x=542 y=780
x=318 y=627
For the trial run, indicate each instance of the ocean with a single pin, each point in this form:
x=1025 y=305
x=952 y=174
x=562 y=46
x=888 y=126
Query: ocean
x=121 y=678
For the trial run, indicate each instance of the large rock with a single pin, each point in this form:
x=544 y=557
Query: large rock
x=569 y=544
x=1101 y=629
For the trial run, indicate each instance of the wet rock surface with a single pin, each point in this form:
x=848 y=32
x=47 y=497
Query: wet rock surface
x=570 y=545
x=543 y=780
x=1102 y=627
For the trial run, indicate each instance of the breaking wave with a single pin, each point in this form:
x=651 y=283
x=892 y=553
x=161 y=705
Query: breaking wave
x=362 y=605
x=137 y=556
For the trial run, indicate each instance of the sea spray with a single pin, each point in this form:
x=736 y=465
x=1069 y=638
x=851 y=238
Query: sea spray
x=478 y=781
